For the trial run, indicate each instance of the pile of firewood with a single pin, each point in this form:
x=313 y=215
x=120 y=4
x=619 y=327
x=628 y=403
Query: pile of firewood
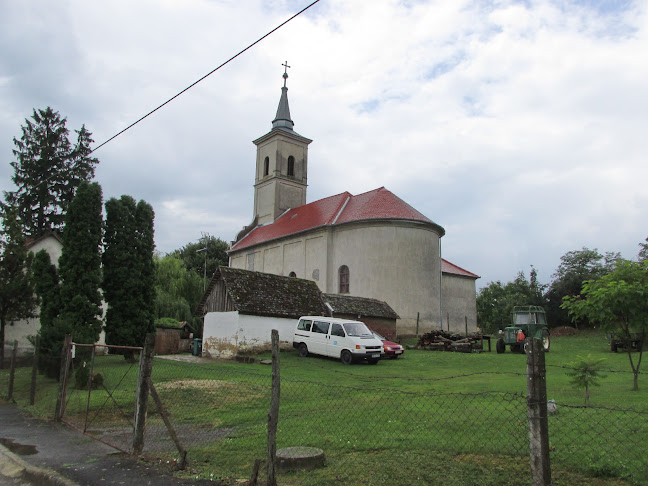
x=448 y=341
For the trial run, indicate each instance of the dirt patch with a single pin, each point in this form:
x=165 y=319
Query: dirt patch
x=564 y=331
x=196 y=384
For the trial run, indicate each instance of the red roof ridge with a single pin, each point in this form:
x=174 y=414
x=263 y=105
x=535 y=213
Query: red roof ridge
x=341 y=208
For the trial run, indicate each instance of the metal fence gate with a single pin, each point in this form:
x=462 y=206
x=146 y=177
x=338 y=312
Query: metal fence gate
x=99 y=392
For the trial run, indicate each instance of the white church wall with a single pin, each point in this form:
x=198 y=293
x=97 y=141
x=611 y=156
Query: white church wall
x=396 y=263
x=316 y=259
x=272 y=260
x=293 y=258
x=227 y=333
x=459 y=303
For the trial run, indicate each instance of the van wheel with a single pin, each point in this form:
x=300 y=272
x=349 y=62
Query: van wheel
x=303 y=350
x=346 y=357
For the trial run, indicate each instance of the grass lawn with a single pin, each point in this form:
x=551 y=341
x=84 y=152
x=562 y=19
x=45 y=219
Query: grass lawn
x=429 y=418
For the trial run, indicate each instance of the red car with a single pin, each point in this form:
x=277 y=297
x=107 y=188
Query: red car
x=392 y=350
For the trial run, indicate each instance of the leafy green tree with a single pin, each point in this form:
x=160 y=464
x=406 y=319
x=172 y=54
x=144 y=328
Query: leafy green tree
x=129 y=272
x=47 y=171
x=495 y=302
x=585 y=373
x=17 y=298
x=194 y=257
x=643 y=251
x=619 y=302
x=178 y=291
x=575 y=268
x=80 y=265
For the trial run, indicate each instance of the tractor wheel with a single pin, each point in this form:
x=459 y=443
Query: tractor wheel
x=500 y=347
x=546 y=341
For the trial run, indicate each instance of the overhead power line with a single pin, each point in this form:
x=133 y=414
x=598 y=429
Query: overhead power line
x=204 y=77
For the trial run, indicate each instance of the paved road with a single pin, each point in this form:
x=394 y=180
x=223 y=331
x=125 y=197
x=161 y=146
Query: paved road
x=56 y=455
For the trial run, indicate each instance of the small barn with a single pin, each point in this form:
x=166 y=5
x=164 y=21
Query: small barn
x=241 y=307
x=376 y=314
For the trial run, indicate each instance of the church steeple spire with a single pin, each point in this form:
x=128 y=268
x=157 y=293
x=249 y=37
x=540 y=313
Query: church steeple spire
x=282 y=118
x=281 y=165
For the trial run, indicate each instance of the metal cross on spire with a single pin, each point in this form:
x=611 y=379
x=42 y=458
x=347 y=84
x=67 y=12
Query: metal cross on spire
x=285 y=74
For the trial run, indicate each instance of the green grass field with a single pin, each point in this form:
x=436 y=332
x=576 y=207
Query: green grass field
x=430 y=418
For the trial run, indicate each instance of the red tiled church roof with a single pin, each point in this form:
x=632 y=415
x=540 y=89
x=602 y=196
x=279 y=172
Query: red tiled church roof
x=447 y=267
x=341 y=208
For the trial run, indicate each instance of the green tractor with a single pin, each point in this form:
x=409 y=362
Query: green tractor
x=528 y=321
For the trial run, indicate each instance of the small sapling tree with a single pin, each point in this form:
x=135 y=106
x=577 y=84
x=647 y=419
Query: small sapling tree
x=585 y=373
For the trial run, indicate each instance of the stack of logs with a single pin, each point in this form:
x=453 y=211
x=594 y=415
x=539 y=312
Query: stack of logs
x=447 y=341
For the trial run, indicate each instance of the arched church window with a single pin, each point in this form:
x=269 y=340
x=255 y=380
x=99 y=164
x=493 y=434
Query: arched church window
x=344 y=279
x=291 y=166
x=292 y=274
x=266 y=166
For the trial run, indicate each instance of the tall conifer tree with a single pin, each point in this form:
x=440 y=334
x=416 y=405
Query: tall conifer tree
x=129 y=272
x=47 y=171
x=80 y=265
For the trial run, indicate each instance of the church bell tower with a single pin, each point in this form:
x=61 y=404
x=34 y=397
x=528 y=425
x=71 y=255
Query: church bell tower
x=281 y=165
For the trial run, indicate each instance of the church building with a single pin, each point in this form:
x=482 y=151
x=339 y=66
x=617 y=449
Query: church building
x=371 y=245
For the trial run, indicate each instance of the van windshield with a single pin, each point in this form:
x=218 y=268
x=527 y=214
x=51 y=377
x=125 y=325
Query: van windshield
x=357 y=329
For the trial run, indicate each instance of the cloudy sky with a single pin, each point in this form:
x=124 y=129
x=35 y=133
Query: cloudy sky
x=521 y=127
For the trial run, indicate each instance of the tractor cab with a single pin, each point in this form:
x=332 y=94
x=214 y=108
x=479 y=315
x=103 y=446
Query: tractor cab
x=529 y=321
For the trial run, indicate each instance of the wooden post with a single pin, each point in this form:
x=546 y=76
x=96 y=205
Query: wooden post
x=417 y=323
x=32 y=390
x=447 y=321
x=12 y=370
x=466 y=318
x=66 y=359
x=89 y=387
x=273 y=416
x=537 y=413
x=142 y=394
x=169 y=426
x=255 y=473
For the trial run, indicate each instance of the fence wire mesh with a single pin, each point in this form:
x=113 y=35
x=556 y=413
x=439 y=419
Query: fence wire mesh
x=100 y=394
x=372 y=432
x=605 y=442
x=220 y=414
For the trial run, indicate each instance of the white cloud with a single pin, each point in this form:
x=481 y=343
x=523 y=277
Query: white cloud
x=518 y=126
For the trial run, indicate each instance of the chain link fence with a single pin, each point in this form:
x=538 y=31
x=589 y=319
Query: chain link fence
x=372 y=432
x=221 y=416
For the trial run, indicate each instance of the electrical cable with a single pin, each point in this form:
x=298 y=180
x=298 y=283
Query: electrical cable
x=204 y=77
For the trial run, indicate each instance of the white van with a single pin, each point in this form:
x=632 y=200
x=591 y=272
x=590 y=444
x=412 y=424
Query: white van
x=339 y=338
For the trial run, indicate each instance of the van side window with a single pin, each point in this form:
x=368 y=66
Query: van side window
x=304 y=325
x=320 y=327
x=337 y=330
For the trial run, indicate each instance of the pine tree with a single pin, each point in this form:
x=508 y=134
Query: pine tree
x=47 y=171
x=80 y=265
x=129 y=272
x=17 y=298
